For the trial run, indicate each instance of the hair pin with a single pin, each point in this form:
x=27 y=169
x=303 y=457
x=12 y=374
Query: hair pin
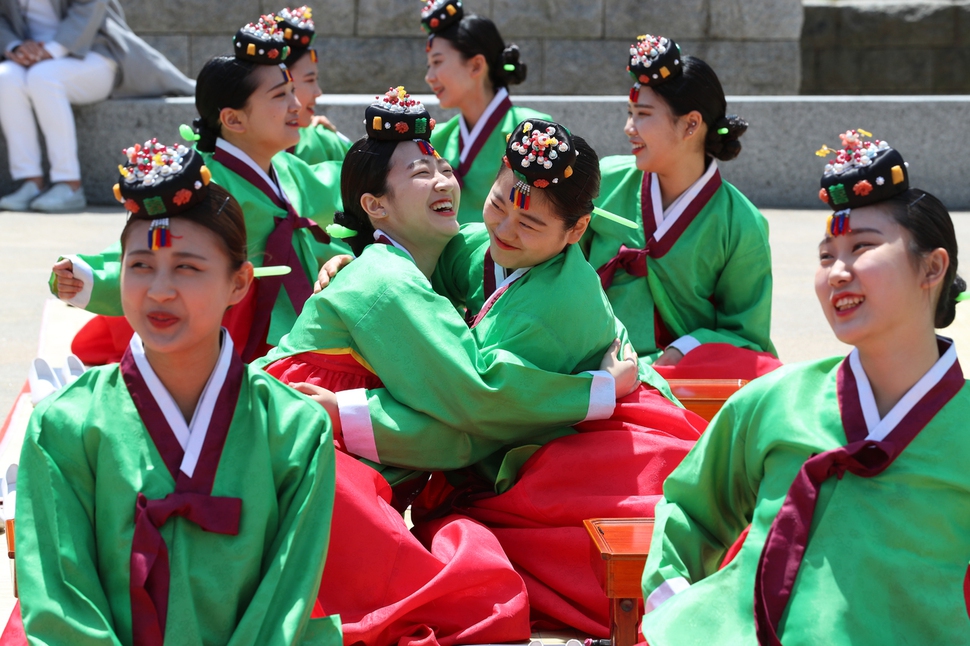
x=615 y=218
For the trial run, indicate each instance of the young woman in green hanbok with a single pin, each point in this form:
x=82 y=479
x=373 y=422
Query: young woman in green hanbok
x=851 y=472
x=470 y=69
x=319 y=140
x=248 y=116
x=692 y=282
x=180 y=497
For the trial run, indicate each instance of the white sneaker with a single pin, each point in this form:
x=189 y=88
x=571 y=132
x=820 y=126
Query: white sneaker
x=59 y=199
x=20 y=199
x=73 y=368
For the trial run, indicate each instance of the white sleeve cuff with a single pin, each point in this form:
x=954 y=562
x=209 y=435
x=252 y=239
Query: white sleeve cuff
x=55 y=49
x=84 y=273
x=685 y=344
x=666 y=590
x=602 y=395
x=355 y=423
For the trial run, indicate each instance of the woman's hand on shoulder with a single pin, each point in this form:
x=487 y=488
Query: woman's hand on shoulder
x=330 y=269
x=322 y=120
x=670 y=357
x=67 y=285
x=624 y=371
x=328 y=400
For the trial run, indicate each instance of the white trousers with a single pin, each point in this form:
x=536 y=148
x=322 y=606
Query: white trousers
x=41 y=95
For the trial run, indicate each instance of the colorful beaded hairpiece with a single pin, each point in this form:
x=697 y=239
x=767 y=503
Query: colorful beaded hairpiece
x=397 y=116
x=864 y=171
x=297 y=26
x=161 y=180
x=438 y=15
x=539 y=153
x=653 y=60
x=261 y=42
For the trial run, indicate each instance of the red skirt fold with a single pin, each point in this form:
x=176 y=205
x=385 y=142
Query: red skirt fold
x=612 y=468
x=335 y=372
x=389 y=588
x=721 y=361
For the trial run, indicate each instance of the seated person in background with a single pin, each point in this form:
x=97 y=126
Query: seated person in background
x=58 y=53
x=852 y=473
x=180 y=496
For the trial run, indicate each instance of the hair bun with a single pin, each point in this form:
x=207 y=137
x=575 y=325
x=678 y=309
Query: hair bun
x=722 y=139
x=946 y=309
x=207 y=135
x=513 y=70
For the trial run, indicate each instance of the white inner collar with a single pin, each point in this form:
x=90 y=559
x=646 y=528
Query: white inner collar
x=880 y=428
x=666 y=219
x=469 y=139
x=508 y=280
x=378 y=233
x=238 y=153
x=190 y=436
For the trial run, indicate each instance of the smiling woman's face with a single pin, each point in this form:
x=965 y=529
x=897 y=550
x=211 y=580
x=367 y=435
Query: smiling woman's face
x=271 y=116
x=525 y=237
x=868 y=283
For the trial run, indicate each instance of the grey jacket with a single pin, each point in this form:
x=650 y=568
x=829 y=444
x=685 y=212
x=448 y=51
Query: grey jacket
x=99 y=25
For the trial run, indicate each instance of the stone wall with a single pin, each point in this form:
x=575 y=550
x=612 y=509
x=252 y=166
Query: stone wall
x=886 y=47
x=571 y=47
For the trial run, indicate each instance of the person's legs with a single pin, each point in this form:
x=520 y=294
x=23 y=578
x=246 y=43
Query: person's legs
x=18 y=123
x=53 y=85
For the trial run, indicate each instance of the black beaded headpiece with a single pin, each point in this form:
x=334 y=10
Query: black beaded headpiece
x=540 y=153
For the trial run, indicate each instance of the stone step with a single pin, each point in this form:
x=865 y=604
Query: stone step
x=776 y=169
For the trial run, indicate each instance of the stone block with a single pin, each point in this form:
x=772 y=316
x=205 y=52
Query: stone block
x=205 y=46
x=630 y=18
x=190 y=16
x=836 y=71
x=909 y=24
x=371 y=65
x=174 y=47
x=756 y=67
x=759 y=20
x=962 y=12
x=809 y=78
x=950 y=70
x=400 y=17
x=894 y=71
x=331 y=18
x=559 y=19
x=821 y=25
x=585 y=67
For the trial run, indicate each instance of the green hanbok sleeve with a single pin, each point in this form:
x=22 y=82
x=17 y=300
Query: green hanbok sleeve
x=742 y=298
x=410 y=331
x=61 y=596
x=708 y=501
x=101 y=278
x=303 y=457
x=320 y=144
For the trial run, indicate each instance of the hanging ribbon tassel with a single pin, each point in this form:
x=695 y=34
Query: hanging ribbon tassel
x=838 y=223
x=519 y=197
x=427 y=148
x=158 y=235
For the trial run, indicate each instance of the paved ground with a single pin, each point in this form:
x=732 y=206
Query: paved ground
x=31 y=243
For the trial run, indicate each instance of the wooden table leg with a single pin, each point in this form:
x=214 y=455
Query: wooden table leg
x=623 y=617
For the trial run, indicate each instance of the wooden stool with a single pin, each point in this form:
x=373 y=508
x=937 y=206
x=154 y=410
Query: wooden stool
x=618 y=554
x=704 y=396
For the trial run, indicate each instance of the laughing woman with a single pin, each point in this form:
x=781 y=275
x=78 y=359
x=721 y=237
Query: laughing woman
x=248 y=115
x=470 y=68
x=710 y=311
x=856 y=494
